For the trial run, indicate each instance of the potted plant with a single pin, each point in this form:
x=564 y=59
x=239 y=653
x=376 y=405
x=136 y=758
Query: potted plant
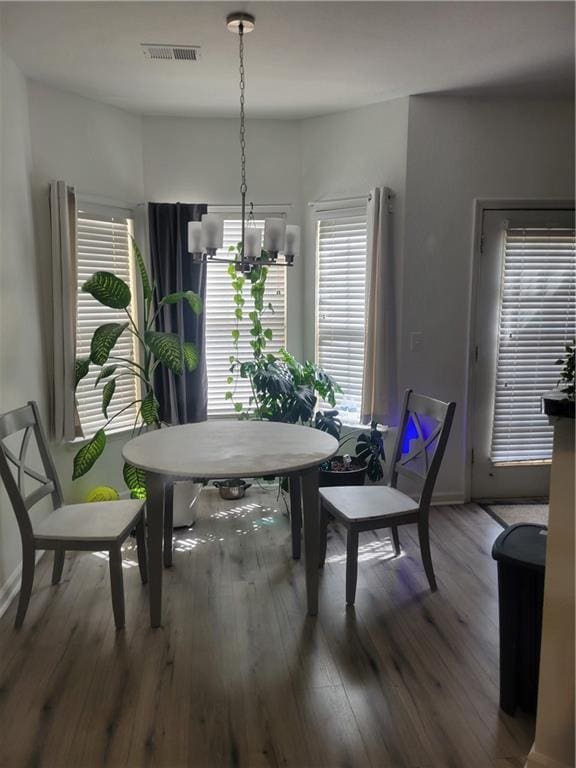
x=155 y=349
x=344 y=469
x=566 y=382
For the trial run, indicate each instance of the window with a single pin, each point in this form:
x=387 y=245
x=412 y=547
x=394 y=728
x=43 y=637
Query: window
x=341 y=307
x=219 y=322
x=103 y=243
x=536 y=321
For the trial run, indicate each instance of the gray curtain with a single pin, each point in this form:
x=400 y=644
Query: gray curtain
x=183 y=399
x=379 y=396
x=64 y=417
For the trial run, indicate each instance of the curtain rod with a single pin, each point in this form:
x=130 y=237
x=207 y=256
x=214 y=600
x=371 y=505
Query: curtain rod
x=341 y=200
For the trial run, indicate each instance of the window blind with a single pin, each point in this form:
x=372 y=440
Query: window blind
x=103 y=243
x=537 y=319
x=219 y=322
x=341 y=307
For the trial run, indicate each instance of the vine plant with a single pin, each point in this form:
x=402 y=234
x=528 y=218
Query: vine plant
x=282 y=388
x=155 y=348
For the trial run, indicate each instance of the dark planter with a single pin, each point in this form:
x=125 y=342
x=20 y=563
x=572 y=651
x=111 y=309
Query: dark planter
x=354 y=476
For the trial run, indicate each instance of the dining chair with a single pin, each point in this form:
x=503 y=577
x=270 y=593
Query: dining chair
x=420 y=443
x=90 y=527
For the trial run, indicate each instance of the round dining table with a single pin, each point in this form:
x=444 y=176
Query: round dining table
x=228 y=449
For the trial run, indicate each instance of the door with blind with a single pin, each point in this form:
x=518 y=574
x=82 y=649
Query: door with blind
x=526 y=310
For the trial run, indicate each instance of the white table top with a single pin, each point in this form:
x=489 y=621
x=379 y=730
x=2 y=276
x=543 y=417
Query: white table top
x=219 y=449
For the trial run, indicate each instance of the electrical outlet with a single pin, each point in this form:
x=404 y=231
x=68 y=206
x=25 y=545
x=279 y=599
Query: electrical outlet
x=415 y=340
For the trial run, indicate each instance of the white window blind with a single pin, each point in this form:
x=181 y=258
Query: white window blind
x=219 y=322
x=341 y=307
x=537 y=319
x=103 y=244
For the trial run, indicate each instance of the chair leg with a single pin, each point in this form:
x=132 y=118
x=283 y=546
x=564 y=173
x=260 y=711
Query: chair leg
x=58 y=566
x=117 y=585
x=323 y=535
x=28 y=562
x=168 y=523
x=424 y=538
x=296 y=515
x=351 y=565
x=141 y=550
x=396 y=540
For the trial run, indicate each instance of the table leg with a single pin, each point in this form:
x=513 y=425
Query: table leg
x=155 y=519
x=296 y=514
x=311 y=509
x=168 y=522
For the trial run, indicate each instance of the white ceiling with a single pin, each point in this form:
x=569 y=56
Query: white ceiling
x=303 y=59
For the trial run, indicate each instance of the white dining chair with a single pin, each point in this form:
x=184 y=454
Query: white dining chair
x=420 y=443
x=91 y=527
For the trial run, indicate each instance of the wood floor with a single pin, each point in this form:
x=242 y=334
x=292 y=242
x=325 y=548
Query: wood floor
x=238 y=676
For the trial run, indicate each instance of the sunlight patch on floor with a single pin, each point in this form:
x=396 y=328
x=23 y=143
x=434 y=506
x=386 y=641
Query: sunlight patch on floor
x=383 y=549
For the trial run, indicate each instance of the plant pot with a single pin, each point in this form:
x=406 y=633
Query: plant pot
x=331 y=477
x=232 y=489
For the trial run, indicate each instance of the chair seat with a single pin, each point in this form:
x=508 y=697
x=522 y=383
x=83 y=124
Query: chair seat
x=360 y=503
x=96 y=521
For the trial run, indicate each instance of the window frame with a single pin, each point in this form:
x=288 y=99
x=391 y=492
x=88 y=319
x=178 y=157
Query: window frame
x=96 y=206
x=234 y=213
x=328 y=213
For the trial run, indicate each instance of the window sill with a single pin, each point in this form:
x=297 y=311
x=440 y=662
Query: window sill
x=110 y=435
x=527 y=463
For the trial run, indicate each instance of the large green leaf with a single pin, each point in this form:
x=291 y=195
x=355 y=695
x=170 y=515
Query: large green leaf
x=146 y=287
x=166 y=347
x=81 y=368
x=194 y=301
x=88 y=454
x=191 y=356
x=103 y=341
x=108 y=290
x=149 y=409
x=107 y=395
x=133 y=477
x=105 y=372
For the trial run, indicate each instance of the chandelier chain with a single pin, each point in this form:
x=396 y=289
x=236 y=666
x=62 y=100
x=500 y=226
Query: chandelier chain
x=243 y=186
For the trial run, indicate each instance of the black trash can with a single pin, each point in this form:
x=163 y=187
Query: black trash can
x=520 y=551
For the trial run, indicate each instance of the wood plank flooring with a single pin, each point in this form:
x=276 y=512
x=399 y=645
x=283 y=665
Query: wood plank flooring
x=238 y=676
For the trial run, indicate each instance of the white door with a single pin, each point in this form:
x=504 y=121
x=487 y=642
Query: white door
x=525 y=315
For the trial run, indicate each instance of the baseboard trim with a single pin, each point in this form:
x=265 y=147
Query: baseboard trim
x=446 y=499
x=538 y=760
x=11 y=586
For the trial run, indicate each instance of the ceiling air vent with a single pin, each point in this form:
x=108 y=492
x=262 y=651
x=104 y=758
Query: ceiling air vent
x=170 y=52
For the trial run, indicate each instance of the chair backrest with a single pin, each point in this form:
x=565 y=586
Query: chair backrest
x=420 y=442
x=14 y=470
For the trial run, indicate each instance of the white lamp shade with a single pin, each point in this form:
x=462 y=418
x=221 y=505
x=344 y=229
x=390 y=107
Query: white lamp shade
x=274 y=233
x=252 y=242
x=195 y=236
x=212 y=231
x=292 y=247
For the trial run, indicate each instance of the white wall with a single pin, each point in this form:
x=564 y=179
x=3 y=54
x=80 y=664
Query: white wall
x=97 y=149
x=345 y=155
x=21 y=348
x=196 y=160
x=458 y=150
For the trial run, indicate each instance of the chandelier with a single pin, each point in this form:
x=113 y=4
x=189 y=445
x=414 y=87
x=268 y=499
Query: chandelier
x=206 y=237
